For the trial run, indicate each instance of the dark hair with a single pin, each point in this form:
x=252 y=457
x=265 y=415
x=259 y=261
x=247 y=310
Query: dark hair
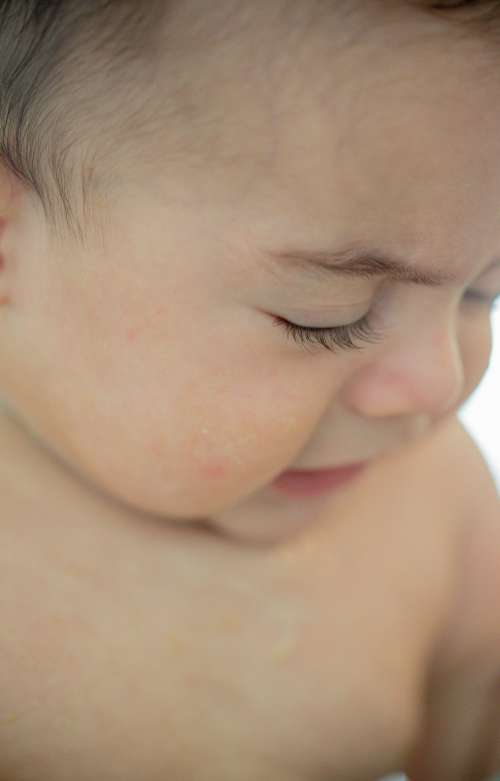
x=76 y=81
x=77 y=91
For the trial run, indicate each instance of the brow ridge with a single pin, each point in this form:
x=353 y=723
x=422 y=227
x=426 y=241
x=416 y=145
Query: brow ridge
x=361 y=262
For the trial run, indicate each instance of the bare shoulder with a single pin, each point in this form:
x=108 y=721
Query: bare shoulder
x=466 y=659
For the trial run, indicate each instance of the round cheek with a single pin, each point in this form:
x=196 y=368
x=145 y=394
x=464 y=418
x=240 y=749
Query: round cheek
x=248 y=447
x=221 y=454
x=213 y=471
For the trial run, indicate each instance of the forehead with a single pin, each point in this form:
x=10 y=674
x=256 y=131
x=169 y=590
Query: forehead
x=405 y=149
x=390 y=135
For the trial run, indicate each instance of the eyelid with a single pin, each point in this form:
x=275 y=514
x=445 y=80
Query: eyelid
x=345 y=337
x=332 y=309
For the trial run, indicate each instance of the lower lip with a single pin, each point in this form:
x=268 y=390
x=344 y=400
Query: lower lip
x=315 y=483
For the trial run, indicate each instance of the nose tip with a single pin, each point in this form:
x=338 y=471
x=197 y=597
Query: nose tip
x=430 y=385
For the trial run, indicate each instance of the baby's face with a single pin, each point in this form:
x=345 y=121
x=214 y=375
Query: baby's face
x=152 y=361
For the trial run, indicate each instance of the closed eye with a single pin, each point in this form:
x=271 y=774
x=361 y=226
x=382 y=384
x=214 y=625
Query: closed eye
x=343 y=337
x=353 y=336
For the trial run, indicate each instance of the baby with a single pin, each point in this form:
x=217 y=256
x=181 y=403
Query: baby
x=240 y=238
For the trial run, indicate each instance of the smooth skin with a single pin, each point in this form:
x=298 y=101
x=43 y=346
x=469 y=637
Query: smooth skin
x=189 y=622
x=368 y=644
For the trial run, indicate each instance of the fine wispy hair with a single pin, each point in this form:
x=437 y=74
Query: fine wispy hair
x=77 y=88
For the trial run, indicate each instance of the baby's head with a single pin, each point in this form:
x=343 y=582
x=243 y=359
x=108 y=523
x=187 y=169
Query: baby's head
x=168 y=165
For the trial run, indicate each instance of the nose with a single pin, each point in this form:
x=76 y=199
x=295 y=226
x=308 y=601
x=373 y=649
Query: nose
x=423 y=375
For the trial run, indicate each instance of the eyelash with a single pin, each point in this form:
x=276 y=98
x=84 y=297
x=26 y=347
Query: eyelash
x=344 y=337
x=341 y=337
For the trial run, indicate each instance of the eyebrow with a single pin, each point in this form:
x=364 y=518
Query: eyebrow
x=360 y=262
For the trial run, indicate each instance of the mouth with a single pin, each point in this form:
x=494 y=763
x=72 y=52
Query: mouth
x=316 y=482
